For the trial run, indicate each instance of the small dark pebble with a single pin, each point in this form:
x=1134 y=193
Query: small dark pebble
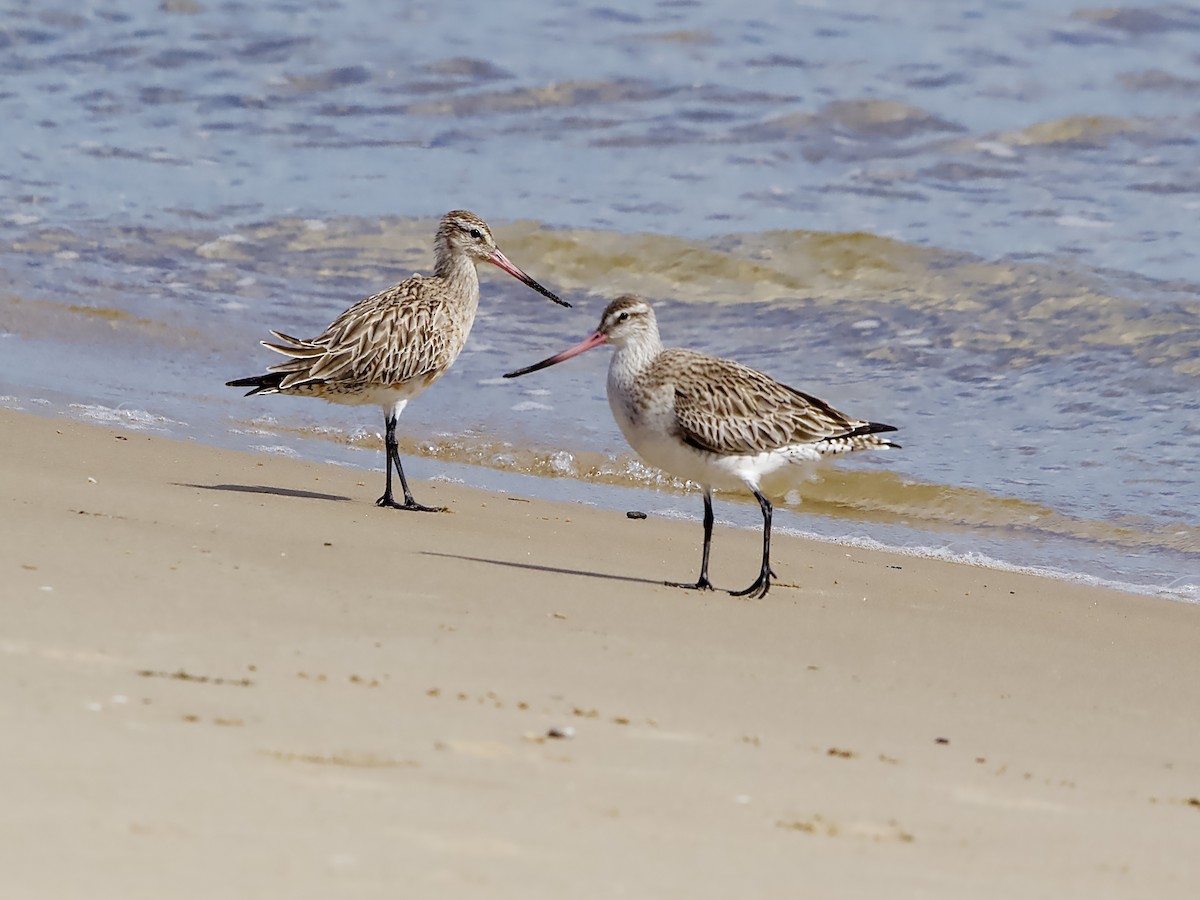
x=942 y=741
x=635 y=514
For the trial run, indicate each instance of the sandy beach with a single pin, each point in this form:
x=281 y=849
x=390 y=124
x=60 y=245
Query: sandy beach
x=228 y=675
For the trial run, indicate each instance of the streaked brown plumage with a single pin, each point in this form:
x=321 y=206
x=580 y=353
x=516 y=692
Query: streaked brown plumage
x=389 y=339
x=713 y=421
x=724 y=407
x=391 y=346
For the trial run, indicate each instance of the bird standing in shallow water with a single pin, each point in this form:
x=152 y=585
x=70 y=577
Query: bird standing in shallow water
x=391 y=346
x=712 y=421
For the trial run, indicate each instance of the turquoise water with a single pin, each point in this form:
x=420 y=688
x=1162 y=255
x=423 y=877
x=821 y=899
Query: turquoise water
x=974 y=221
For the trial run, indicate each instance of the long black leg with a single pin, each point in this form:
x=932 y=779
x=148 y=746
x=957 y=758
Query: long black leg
x=763 y=583
x=702 y=583
x=389 y=423
x=392 y=458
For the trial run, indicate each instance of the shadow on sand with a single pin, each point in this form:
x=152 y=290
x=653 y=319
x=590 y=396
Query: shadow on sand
x=533 y=568
x=266 y=489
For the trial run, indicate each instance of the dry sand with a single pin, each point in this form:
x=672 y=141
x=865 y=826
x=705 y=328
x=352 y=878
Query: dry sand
x=227 y=675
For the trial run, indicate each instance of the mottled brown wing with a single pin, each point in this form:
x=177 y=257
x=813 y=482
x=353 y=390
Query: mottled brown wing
x=728 y=408
x=389 y=338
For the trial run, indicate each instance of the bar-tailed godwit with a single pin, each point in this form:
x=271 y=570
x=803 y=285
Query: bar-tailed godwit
x=389 y=347
x=712 y=421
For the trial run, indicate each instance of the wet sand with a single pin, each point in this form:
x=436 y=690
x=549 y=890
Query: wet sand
x=232 y=675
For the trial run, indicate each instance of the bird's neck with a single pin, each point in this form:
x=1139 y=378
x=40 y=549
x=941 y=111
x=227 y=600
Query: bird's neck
x=632 y=359
x=460 y=276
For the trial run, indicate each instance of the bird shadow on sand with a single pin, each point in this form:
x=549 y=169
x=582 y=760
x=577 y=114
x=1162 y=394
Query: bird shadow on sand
x=549 y=569
x=266 y=489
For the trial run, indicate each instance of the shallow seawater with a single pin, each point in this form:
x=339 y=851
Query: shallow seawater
x=976 y=222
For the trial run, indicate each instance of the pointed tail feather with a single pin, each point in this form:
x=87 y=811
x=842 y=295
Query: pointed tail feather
x=288 y=339
x=294 y=347
x=258 y=383
x=867 y=428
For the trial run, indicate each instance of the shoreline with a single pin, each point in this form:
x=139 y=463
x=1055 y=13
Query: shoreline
x=987 y=543
x=233 y=673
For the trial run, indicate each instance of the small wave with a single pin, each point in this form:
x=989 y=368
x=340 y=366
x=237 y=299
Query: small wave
x=1076 y=131
x=1015 y=314
x=137 y=419
x=276 y=450
x=1180 y=589
x=569 y=94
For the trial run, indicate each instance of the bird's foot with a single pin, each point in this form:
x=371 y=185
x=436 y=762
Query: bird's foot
x=409 y=503
x=703 y=584
x=756 y=591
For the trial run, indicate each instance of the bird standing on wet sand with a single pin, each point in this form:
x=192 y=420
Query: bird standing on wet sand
x=391 y=346
x=712 y=421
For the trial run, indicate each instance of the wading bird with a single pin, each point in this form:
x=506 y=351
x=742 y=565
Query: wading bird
x=712 y=421
x=390 y=347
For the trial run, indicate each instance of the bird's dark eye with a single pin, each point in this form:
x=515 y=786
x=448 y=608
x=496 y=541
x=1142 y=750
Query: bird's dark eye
x=622 y=317
x=475 y=233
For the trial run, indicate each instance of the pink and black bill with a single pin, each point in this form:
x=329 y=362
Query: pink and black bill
x=500 y=260
x=593 y=340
